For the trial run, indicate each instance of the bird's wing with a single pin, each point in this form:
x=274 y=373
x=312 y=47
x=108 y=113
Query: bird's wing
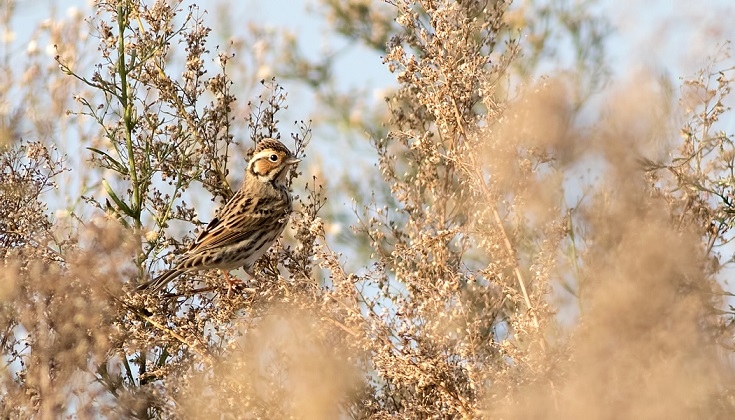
x=239 y=220
x=218 y=234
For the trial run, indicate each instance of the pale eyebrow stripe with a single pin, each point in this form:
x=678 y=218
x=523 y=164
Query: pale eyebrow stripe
x=265 y=153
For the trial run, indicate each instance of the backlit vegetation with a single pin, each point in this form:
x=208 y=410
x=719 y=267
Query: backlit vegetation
x=504 y=258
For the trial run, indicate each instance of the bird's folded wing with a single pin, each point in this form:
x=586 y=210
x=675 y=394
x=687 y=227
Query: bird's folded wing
x=219 y=235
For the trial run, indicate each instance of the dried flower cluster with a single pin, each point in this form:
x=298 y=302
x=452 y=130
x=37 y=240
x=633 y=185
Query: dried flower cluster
x=494 y=280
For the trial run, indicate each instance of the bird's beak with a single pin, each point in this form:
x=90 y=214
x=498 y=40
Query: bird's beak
x=293 y=161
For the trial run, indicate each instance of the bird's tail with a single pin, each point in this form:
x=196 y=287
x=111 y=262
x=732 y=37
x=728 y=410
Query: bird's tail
x=159 y=282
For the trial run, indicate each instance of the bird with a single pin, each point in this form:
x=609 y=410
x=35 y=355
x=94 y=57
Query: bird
x=247 y=225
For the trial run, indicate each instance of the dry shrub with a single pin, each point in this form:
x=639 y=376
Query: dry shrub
x=59 y=322
x=284 y=366
x=474 y=241
x=533 y=131
x=643 y=346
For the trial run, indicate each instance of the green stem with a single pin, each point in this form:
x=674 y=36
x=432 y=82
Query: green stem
x=128 y=118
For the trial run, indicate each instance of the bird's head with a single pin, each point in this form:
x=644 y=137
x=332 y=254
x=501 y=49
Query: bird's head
x=271 y=161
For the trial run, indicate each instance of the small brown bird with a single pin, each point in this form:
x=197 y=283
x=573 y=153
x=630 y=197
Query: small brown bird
x=247 y=225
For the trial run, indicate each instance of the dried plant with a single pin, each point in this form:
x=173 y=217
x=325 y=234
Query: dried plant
x=486 y=292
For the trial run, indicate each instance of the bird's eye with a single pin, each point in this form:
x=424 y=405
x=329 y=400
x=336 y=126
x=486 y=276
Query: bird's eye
x=273 y=158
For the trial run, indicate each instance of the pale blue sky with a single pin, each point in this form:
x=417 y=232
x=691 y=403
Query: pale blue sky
x=673 y=37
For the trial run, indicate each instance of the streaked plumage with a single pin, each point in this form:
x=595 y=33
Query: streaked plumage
x=248 y=224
